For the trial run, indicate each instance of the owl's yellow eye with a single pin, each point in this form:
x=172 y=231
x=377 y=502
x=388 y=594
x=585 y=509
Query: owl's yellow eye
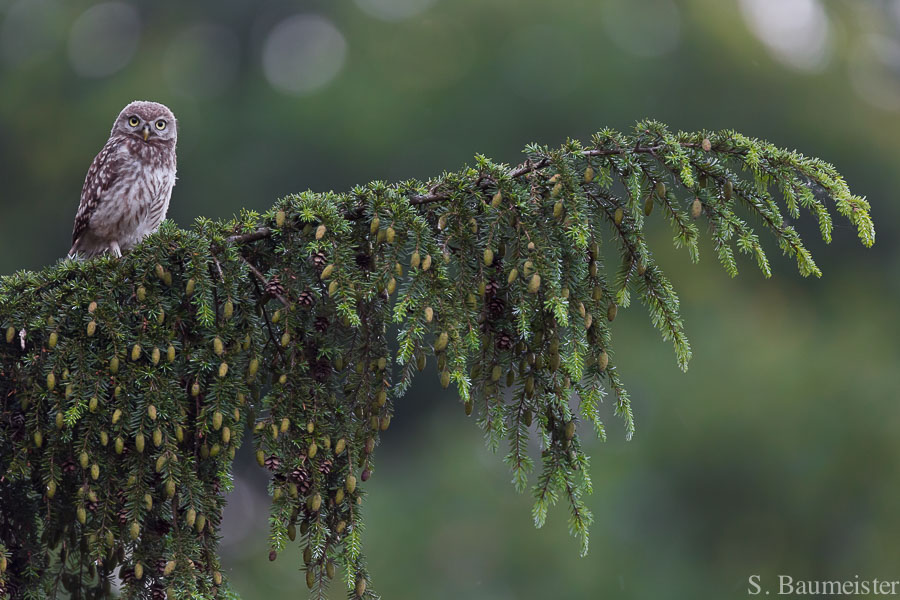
x=134 y=121
x=161 y=124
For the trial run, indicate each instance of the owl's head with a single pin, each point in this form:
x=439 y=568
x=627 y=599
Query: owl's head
x=150 y=122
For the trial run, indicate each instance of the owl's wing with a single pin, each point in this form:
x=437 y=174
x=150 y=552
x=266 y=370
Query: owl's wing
x=101 y=176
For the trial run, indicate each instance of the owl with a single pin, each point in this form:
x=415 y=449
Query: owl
x=128 y=186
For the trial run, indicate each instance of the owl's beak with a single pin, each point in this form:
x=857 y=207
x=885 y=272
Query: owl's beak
x=146 y=132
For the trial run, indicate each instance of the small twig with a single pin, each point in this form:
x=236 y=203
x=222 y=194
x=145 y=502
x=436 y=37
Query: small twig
x=427 y=199
x=262 y=232
x=218 y=267
x=262 y=279
x=528 y=166
x=636 y=150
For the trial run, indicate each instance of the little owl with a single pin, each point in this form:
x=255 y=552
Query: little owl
x=127 y=189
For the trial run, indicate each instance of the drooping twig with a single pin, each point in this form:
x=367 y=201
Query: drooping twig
x=262 y=279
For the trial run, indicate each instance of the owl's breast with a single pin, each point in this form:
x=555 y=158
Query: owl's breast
x=137 y=202
x=153 y=202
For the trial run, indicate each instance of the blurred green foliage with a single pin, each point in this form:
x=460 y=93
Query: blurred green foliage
x=776 y=453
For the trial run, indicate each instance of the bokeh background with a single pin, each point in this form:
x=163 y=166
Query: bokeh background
x=777 y=453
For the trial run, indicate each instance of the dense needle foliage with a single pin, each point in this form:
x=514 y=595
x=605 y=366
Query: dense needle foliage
x=126 y=385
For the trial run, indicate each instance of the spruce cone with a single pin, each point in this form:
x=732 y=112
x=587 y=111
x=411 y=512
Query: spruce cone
x=325 y=467
x=321 y=324
x=10 y=588
x=126 y=574
x=301 y=478
x=496 y=306
x=504 y=341
x=161 y=565
x=491 y=288
x=274 y=287
x=319 y=260
x=123 y=516
x=157 y=593
x=272 y=463
x=68 y=466
x=306 y=298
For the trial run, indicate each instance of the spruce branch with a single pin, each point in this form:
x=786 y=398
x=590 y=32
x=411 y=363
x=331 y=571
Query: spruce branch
x=123 y=405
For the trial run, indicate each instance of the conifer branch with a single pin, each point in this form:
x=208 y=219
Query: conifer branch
x=122 y=408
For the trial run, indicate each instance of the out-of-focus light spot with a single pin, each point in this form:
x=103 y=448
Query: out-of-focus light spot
x=29 y=31
x=394 y=10
x=796 y=32
x=202 y=61
x=303 y=53
x=875 y=70
x=103 y=39
x=650 y=28
x=542 y=62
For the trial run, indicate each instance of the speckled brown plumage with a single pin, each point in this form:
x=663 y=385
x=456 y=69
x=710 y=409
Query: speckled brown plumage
x=128 y=186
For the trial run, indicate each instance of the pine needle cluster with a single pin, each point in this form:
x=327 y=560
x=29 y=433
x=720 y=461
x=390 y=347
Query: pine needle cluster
x=126 y=386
